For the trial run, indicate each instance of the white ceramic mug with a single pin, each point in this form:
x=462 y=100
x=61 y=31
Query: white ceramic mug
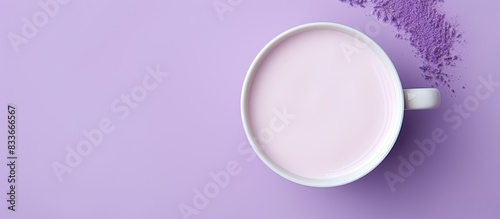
x=320 y=91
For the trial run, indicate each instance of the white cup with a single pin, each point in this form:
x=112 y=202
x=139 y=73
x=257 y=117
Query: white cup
x=402 y=99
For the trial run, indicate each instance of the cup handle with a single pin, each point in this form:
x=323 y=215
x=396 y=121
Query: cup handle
x=421 y=98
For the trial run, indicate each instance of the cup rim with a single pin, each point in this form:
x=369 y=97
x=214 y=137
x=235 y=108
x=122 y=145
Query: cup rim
x=397 y=90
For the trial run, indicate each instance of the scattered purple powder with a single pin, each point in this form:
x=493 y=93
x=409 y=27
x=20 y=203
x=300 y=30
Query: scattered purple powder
x=360 y=3
x=428 y=31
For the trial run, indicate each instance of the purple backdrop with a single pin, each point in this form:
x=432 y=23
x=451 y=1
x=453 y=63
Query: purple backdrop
x=100 y=68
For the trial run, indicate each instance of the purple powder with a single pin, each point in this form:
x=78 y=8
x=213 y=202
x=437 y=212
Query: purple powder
x=428 y=31
x=360 y=3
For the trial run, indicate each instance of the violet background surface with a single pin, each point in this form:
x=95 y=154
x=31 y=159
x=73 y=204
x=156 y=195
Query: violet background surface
x=65 y=79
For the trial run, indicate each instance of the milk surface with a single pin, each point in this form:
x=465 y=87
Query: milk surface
x=320 y=103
